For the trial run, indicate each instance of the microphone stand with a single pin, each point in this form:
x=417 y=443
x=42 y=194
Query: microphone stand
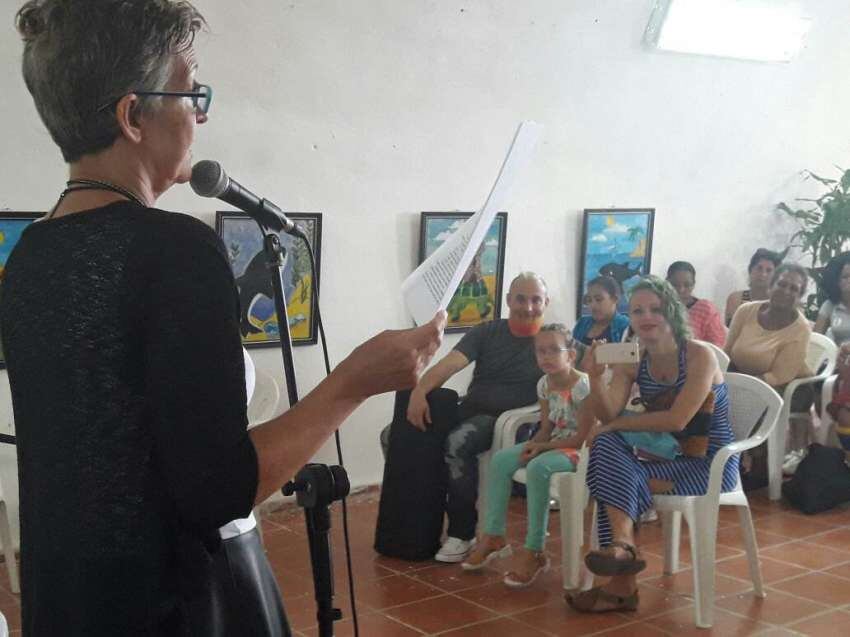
x=315 y=485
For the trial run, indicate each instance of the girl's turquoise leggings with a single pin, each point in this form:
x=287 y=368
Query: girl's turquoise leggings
x=502 y=467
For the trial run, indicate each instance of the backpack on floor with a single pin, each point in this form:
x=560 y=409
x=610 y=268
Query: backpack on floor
x=413 y=493
x=821 y=482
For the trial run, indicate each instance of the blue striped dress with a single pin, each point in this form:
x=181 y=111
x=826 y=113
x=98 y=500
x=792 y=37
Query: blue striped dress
x=617 y=478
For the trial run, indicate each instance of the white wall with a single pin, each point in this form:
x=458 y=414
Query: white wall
x=372 y=111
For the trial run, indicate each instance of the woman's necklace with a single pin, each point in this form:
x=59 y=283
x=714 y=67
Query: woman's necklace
x=74 y=185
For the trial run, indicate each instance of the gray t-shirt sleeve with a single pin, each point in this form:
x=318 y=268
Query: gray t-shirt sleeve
x=826 y=309
x=471 y=343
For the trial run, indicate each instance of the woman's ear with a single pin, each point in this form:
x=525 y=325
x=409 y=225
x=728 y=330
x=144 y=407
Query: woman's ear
x=127 y=115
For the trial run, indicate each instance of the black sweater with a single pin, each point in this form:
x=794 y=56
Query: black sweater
x=120 y=331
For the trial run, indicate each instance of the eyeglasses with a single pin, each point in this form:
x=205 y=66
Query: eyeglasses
x=550 y=351
x=201 y=96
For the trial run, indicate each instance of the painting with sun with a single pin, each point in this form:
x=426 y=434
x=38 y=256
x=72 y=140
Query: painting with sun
x=616 y=242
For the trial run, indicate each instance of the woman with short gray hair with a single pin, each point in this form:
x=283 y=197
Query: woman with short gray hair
x=120 y=327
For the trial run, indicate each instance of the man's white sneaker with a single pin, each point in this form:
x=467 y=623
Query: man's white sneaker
x=454 y=550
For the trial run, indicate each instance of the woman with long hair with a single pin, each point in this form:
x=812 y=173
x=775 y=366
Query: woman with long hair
x=682 y=376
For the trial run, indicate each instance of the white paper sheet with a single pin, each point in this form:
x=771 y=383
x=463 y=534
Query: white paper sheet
x=430 y=287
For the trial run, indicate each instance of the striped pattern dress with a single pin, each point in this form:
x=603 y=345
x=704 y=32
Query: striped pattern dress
x=617 y=478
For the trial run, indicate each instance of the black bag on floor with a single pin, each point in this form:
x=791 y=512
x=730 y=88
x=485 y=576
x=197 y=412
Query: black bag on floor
x=413 y=493
x=821 y=482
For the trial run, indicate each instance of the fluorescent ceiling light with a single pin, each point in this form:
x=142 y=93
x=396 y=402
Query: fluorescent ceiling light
x=764 y=30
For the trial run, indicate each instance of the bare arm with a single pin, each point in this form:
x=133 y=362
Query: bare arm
x=702 y=367
x=734 y=332
x=786 y=364
x=732 y=303
x=609 y=400
x=418 y=412
x=585 y=422
x=824 y=319
x=545 y=430
x=390 y=361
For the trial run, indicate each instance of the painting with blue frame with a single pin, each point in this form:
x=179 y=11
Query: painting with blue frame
x=244 y=243
x=12 y=226
x=616 y=242
x=478 y=298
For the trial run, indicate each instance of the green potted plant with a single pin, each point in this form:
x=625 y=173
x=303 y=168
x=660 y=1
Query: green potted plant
x=824 y=230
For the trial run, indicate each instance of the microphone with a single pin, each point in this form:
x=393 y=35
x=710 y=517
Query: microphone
x=210 y=180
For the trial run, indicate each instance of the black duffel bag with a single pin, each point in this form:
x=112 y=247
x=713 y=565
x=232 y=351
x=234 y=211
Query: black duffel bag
x=413 y=493
x=821 y=482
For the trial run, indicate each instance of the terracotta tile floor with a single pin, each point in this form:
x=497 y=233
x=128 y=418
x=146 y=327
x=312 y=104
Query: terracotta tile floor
x=805 y=566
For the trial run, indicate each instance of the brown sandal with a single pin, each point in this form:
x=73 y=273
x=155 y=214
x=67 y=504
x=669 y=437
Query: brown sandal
x=605 y=564
x=585 y=601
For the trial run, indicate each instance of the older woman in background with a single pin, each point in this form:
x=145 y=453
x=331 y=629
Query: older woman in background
x=769 y=339
x=133 y=446
x=763 y=263
x=704 y=318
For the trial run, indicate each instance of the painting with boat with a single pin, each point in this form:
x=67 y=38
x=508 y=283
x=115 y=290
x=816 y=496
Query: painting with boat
x=616 y=242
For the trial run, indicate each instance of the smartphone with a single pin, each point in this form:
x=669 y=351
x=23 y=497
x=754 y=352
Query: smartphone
x=617 y=353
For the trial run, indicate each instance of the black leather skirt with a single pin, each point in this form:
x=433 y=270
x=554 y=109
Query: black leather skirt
x=243 y=600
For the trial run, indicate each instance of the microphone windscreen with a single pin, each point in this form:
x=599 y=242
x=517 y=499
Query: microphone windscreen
x=208 y=179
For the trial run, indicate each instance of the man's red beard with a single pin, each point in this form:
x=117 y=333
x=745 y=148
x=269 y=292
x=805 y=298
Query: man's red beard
x=524 y=327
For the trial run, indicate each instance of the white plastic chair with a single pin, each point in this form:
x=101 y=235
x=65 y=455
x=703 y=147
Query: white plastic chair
x=8 y=549
x=721 y=356
x=754 y=408
x=504 y=433
x=569 y=489
x=820 y=358
x=263 y=404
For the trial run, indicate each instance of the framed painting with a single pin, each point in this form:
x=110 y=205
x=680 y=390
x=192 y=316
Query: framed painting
x=12 y=225
x=617 y=243
x=478 y=298
x=244 y=243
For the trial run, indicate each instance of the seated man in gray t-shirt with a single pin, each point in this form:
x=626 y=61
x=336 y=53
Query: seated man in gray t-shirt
x=505 y=377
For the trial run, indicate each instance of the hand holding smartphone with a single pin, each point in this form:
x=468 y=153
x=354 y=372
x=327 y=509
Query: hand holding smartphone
x=617 y=353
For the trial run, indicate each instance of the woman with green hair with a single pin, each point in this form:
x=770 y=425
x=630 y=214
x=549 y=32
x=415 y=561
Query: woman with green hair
x=681 y=384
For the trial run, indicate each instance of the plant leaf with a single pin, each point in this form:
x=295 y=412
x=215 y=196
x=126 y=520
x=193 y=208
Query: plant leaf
x=823 y=180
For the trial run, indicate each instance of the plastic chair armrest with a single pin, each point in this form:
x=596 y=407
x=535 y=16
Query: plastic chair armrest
x=826 y=397
x=509 y=422
x=807 y=380
x=718 y=463
x=797 y=382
